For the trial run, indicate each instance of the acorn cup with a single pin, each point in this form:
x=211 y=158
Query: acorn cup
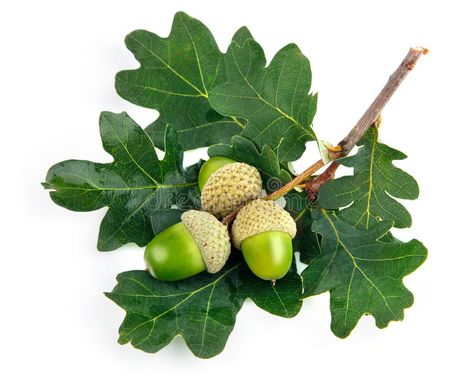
x=227 y=185
x=263 y=231
x=199 y=242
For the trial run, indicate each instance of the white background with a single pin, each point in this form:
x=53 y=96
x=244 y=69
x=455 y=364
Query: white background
x=58 y=62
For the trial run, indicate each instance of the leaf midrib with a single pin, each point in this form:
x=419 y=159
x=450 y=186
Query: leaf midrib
x=374 y=166
x=132 y=158
x=139 y=188
x=206 y=94
x=280 y=300
x=370 y=187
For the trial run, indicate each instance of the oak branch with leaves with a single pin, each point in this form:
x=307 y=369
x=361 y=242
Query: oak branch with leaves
x=260 y=114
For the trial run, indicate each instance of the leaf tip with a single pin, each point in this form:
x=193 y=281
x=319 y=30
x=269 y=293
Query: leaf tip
x=182 y=14
x=341 y=333
x=109 y=295
x=241 y=36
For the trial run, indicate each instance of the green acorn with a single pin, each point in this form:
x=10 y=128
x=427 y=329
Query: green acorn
x=229 y=186
x=211 y=166
x=199 y=242
x=263 y=231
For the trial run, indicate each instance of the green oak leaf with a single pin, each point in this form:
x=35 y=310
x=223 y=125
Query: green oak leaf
x=281 y=299
x=175 y=77
x=363 y=274
x=202 y=309
x=212 y=130
x=241 y=36
x=274 y=100
x=162 y=219
x=133 y=186
x=371 y=191
x=306 y=242
x=243 y=150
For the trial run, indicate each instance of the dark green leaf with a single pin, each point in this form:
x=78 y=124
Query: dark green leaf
x=281 y=299
x=162 y=219
x=306 y=242
x=133 y=186
x=202 y=309
x=370 y=192
x=243 y=150
x=175 y=77
x=274 y=100
x=362 y=273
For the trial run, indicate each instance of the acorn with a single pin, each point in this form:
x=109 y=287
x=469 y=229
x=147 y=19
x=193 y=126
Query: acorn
x=199 y=242
x=211 y=166
x=263 y=231
x=229 y=187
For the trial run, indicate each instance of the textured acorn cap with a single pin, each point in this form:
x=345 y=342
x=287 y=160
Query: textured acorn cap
x=211 y=236
x=261 y=216
x=229 y=187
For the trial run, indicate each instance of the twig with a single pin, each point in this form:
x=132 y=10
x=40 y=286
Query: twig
x=371 y=116
x=298 y=179
x=348 y=143
x=313 y=187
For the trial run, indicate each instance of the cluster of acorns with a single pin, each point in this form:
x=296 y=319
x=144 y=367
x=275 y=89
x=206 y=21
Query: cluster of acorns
x=262 y=230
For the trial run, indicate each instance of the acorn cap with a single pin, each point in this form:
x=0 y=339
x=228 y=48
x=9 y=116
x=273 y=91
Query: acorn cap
x=211 y=236
x=261 y=216
x=230 y=187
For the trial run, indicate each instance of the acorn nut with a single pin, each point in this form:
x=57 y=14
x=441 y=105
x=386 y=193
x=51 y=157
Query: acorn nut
x=229 y=187
x=199 y=242
x=263 y=231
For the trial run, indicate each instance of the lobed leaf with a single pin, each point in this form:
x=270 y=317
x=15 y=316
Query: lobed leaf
x=175 y=77
x=274 y=100
x=202 y=309
x=369 y=194
x=362 y=273
x=133 y=186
